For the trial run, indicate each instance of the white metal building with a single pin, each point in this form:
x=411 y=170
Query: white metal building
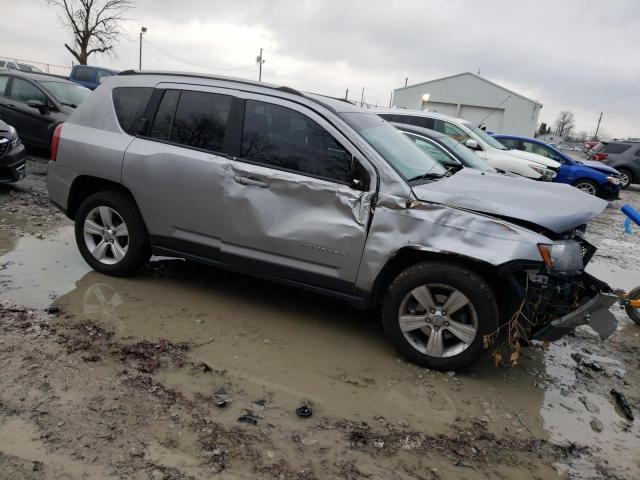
x=475 y=99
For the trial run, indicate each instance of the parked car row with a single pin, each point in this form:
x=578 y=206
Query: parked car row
x=317 y=193
x=523 y=156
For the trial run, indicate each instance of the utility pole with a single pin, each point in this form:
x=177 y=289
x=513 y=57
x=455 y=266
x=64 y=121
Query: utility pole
x=391 y=99
x=142 y=30
x=598 y=127
x=362 y=98
x=346 y=95
x=260 y=61
x=406 y=80
x=479 y=68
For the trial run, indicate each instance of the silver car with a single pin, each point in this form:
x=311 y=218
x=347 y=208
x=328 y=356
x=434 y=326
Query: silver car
x=317 y=193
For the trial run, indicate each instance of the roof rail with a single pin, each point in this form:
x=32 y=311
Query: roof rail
x=284 y=89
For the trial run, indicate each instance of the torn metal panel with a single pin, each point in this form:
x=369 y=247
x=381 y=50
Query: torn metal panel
x=595 y=313
x=399 y=223
x=556 y=207
x=294 y=222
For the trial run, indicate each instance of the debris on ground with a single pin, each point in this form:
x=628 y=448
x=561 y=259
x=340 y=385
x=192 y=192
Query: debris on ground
x=622 y=402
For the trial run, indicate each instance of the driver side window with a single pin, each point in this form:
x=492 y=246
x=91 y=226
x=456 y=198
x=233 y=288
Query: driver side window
x=450 y=129
x=24 y=92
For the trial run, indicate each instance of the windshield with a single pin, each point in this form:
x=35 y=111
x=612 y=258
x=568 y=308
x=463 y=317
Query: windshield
x=66 y=93
x=400 y=152
x=466 y=156
x=485 y=137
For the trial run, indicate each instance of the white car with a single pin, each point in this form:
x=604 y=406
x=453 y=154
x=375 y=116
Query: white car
x=484 y=145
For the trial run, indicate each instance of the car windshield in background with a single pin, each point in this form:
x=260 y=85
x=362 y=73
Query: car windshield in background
x=401 y=153
x=485 y=137
x=67 y=94
x=469 y=158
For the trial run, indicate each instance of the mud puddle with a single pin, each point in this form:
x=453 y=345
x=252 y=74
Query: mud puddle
x=268 y=349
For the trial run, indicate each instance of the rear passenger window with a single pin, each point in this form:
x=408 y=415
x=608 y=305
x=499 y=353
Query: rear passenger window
x=130 y=104
x=161 y=127
x=615 y=148
x=201 y=120
x=287 y=139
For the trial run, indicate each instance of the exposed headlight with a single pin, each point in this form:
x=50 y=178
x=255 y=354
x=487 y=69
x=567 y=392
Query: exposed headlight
x=13 y=136
x=565 y=257
x=546 y=173
x=613 y=180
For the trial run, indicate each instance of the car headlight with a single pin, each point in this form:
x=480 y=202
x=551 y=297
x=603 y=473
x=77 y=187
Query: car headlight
x=613 y=180
x=546 y=173
x=565 y=257
x=13 y=136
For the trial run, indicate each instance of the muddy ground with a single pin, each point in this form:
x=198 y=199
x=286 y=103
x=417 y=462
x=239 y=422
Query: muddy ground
x=188 y=372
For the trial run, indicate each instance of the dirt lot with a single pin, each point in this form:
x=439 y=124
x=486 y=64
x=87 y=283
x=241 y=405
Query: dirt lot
x=187 y=372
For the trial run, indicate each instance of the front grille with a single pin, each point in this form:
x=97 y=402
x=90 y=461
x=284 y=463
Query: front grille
x=4 y=146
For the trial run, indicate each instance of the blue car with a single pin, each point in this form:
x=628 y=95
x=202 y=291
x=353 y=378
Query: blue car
x=89 y=76
x=591 y=177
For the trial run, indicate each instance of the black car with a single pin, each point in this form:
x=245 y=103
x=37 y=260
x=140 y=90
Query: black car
x=12 y=154
x=34 y=103
x=441 y=147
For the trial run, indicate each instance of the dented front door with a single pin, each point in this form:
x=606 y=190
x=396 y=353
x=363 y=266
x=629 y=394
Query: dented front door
x=288 y=208
x=294 y=227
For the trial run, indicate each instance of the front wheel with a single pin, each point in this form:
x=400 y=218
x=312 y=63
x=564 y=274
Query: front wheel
x=111 y=234
x=436 y=314
x=625 y=178
x=587 y=186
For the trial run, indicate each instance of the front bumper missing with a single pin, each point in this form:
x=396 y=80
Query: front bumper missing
x=595 y=313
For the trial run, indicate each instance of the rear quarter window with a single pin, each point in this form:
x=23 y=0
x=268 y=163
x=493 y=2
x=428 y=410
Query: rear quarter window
x=129 y=104
x=615 y=148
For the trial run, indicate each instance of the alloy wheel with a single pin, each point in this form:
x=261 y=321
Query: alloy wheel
x=106 y=235
x=624 y=179
x=587 y=188
x=438 y=320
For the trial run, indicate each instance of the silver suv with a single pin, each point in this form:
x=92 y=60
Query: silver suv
x=317 y=193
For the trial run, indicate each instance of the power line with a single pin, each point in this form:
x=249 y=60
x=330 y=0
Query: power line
x=195 y=64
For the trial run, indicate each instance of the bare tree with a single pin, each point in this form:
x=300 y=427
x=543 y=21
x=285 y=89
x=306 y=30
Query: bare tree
x=93 y=23
x=565 y=123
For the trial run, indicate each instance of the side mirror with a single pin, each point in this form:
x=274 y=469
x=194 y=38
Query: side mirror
x=358 y=176
x=37 y=104
x=472 y=144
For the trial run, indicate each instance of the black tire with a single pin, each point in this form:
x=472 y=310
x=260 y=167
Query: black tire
x=634 y=313
x=478 y=293
x=624 y=171
x=583 y=185
x=138 y=250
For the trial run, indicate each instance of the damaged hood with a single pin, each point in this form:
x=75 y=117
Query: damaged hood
x=554 y=206
x=601 y=167
x=533 y=157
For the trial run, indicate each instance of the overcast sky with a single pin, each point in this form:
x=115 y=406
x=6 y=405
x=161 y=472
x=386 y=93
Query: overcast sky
x=569 y=55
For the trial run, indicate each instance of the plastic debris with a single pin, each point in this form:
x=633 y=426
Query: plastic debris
x=53 y=309
x=622 y=403
x=222 y=403
x=249 y=417
x=304 y=411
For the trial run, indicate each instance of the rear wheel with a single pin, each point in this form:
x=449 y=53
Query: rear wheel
x=587 y=186
x=111 y=234
x=625 y=178
x=437 y=314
